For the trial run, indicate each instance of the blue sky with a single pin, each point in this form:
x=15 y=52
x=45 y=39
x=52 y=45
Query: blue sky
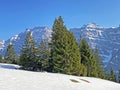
x=17 y=15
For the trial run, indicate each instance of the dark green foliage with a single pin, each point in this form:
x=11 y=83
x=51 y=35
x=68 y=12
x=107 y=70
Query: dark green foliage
x=100 y=69
x=65 y=56
x=112 y=76
x=119 y=76
x=62 y=54
x=73 y=55
x=35 y=58
x=86 y=58
x=1 y=59
x=27 y=57
x=43 y=56
x=10 y=54
x=91 y=60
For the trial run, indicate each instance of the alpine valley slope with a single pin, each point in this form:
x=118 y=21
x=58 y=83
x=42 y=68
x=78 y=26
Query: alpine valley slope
x=12 y=79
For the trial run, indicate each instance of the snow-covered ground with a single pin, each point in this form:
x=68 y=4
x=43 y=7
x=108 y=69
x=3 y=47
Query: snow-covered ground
x=12 y=79
x=9 y=66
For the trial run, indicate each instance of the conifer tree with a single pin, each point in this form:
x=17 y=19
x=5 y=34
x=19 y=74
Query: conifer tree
x=27 y=57
x=65 y=55
x=100 y=68
x=1 y=59
x=112 y=76
x=43 y=55
x=74 y=55
x=10 y=54
x=88 y=59
x=119 y=76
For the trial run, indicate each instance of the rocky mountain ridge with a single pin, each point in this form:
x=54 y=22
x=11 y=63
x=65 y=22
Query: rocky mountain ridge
x=106 y=40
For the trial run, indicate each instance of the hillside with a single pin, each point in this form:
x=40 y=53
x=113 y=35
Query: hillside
x=11 y=79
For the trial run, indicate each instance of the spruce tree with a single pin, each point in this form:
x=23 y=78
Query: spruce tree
x=88 y=59
x=10 y=54
x=100 y=68
x=65 y=54
x=112 y=76
x=1 y=59
x=27 y=57
x=43 y=55
x=74 y=57
x=119 y=76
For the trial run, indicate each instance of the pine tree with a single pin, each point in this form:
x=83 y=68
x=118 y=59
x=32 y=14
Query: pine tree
x=119 y=76
x=64 y=51
x=28 y=57
x=10 y=54
x=88 y=59
x=57 y=44
x=100 y=68
x=112 y=76
x=43 y=55
x=74 y=57
x=1 y=59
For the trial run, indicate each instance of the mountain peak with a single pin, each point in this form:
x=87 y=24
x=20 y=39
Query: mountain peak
x=42 y=28
x=92 y=26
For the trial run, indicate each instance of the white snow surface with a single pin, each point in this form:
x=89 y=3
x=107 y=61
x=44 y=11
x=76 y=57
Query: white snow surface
x=11 y=79
x=9 y=66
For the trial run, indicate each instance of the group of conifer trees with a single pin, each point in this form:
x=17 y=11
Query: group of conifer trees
x=70 y=57
x=60 y=55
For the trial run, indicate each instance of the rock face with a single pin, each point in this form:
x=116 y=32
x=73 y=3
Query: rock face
x=38 y=33
x=2 y=42
x=106 y=40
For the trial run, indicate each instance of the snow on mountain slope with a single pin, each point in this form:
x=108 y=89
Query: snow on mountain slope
x=25 y=80
x=38 y=33
x=106 y=40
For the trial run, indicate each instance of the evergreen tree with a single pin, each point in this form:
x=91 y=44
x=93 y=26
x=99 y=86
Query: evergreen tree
x=88 y=59
x=28 y=57
x=100 y=68
x=10 y=54
x=112 y=76
x=43 y=55
x=1 y=59
x=119 y=76
x=65 y=55
x=74 y=56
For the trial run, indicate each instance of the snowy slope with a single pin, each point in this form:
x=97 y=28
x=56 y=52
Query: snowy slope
x=9 y=66
x=11 y=79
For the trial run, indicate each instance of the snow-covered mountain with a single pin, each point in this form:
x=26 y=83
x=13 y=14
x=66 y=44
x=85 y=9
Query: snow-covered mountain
x=12 y=79
x=2 y=42
x=106 y=40
x=38 y=33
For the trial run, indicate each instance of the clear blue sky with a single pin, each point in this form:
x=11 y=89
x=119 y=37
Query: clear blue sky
x=17 y=15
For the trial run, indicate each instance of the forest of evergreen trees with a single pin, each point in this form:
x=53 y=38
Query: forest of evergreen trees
x=61 y=55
